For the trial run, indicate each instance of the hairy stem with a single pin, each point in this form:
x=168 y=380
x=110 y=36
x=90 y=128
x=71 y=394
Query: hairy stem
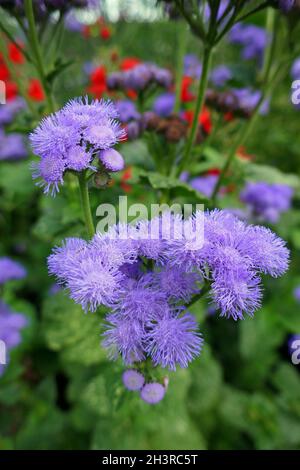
x=37 y=54
x=182 y=43
x=85 y=203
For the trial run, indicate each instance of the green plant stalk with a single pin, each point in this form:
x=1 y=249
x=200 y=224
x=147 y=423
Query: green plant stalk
x=268 y=84
x=182 y=44
x=199 y=105
x=270 y=27
x=37 y=54
x=85 y=203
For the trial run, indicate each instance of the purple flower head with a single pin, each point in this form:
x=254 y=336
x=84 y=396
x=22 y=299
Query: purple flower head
x=10 y=270
x=72 y=23
x=236 y=292
x=177 y=284
x=71 y=138
x=140 y=77
x=221 y=75
x=142 y=302
x=205 y=184
x=133 y=380
x=248 y=99
x=12 y=147
x=134 y=129
x=10 y=109
x=253 y=40
x=192 y=66
x=124 y=337
x=297 y=293
x=164 y=104
x=112 y=160
x=127 y=110
x=153 y=393
x=265 y=201
x=174 y=340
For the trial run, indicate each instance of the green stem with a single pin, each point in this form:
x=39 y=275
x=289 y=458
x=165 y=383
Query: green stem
x=36 y=51
x=199 y=104
x=270 y=27
x=85 y=203
x=202 y=293
x=182 y=43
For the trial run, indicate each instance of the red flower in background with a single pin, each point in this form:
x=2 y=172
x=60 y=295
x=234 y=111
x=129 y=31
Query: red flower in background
x=129 y=63
x=35 y=90
x=105 y=32
x=4 y=72
x=214 y=171
x=11 y=90
x=97 y=85
x=204 y=119
x=14 y=53
x=127 y=175
x=186 y=95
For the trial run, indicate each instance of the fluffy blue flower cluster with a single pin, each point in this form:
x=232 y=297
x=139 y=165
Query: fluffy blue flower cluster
x=10 y=270
x=253 y=40
x=140 y=77
x=73 y=138
x=266 y=202
x=149 y=282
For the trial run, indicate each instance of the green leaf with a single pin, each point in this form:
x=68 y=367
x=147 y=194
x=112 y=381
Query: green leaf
x=159 y=181
x=68 y=330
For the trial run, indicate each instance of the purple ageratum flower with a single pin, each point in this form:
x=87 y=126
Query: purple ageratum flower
x=235 y=255
x=266 y=202
x=248 y=99
x=140 y=77
x=10 y=109
x=133 y=380
x=253 y=40
x=112 y=160
x=12 y=147
x=71 y=138
x=220 y=75
x=164 y=104
x=72 y=23
x=141 y=302
x=297 y=293
x=295 y=70
x=153 y=393
x=205 y=184
x=10 y=270
x=127 y=110
x=177 y=284
x=192 y=66
x=174 y=340
x=124 y=337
